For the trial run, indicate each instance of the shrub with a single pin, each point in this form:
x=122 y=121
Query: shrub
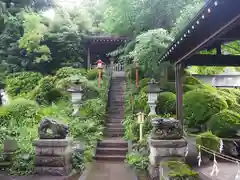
x=200 y=105
x=169 y=86
x=137 y=161
x=187 y=87
x=235 y=107
x=230 y=98
x=208 y=140
x=190 y=80
x=234 y=92
x=67 y=72
x=144 y=82
x=92 y=74
x=140 y=101
x=19 y=111
x=133 y=73
x=166 y=103
x=225 y=123
x=46 y=92
x=22 y=82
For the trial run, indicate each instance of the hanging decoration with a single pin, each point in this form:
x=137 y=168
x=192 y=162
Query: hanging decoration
x=215 y=169
x=237 y=177
x=199 y=156
x=221 y=146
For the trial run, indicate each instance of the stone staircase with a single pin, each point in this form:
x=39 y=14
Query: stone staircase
x=113 y=147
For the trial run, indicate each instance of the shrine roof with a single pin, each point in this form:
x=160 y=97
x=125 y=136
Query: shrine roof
x=218 y=22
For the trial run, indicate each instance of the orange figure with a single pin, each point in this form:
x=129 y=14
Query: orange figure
x=100 y=64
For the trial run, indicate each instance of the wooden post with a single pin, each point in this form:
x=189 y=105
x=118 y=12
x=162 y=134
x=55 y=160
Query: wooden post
x=88 y=58
x=99 y=77
x=179 y=70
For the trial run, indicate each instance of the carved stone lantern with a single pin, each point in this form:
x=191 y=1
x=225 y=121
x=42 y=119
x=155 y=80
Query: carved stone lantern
x=76 y=96
x=153 y=91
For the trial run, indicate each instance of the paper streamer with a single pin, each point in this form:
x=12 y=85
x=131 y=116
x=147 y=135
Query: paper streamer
x=199 y=156
x=215 y=169
x=237 y=177
x=186 y=151
x=221 y=146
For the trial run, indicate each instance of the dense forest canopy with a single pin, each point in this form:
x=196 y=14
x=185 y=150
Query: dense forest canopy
x=41 y=35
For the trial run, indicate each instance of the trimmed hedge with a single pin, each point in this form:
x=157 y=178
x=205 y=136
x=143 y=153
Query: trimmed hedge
x=200 y=105
x=224 y=124
x=230 y=98
x=190 y=80
x=208 y=140
x=166 y=103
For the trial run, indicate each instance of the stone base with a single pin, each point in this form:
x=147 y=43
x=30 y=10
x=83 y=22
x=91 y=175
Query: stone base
x=164 y=150
x=53 y=157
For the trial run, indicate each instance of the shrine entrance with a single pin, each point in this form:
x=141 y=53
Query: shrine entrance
x=99 y=46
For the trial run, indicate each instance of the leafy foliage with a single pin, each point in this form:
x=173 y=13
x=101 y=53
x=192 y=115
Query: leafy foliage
x=200 y=105
x=225 y=123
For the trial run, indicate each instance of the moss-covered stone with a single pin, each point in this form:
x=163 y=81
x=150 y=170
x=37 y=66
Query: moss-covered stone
x=179 y=170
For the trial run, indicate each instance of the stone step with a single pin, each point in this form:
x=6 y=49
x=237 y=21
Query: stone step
x=111 y=151
x=113 y=143
x=114 y=134
x=110 y=157
x=114 y=125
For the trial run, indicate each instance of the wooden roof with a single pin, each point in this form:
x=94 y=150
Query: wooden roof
x=216 y=23
x=107 y=39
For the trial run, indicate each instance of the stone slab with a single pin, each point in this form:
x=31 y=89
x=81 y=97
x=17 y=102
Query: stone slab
x=53 y=161
x=178 y=143
x=53 y=142
x=53 y=151
x=53 y=171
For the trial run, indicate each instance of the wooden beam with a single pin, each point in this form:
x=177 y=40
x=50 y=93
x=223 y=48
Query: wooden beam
x=179 y=71
x=88 y=58
x=213 y=60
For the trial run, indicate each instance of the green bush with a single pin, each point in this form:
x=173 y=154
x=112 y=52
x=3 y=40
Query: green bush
x=190 y=80
x=230 y=98
x=235 y=107
x=133 y=73
x=137 y=161
x=92 y=74
x=187 y=87
x=45 y=92
x=22 y=82
x=19 y=112
x=225 y=123
x=67 y=72
x=144 y=82
x=234 y=92
x=166 y=103
x=208 y=140
x=169 y=86
x=140 y=101
x=200 y=105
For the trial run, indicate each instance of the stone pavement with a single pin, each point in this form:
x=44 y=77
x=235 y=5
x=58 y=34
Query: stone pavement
x=227 y=171
x=110 y=171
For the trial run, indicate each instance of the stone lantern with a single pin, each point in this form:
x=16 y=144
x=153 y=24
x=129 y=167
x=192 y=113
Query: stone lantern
x=76 y=96
x=153 y=91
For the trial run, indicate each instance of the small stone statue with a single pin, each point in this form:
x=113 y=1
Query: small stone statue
x=165 y=129
x=58 y=131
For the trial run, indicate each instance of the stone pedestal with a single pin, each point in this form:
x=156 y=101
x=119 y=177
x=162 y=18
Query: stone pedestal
x=162 y=151
x=53 y=157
